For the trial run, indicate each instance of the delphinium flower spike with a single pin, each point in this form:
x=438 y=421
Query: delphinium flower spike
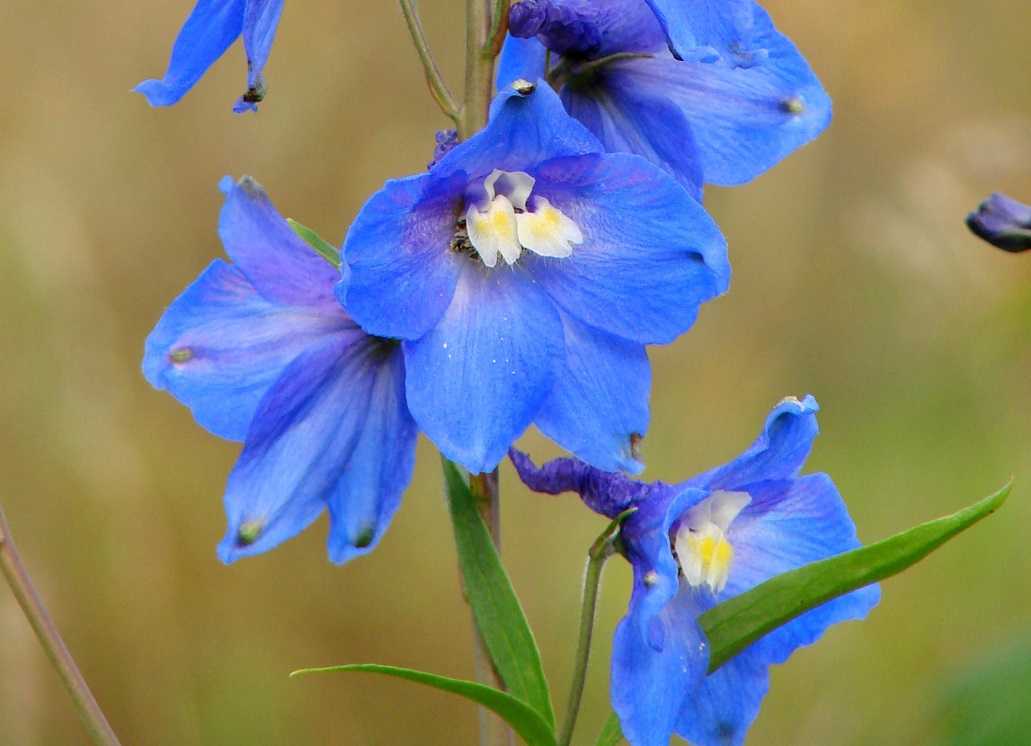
x=209 y=31
x=703 y=120
x=261 y=351
x=697 y=543
x=524 y=273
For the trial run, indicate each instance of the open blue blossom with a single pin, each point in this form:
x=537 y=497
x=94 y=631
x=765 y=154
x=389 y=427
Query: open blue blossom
x=523 y=274
x=700 y=542
x=209 y=31
x=702 y=120
x=261 y=351
x=1002 y=222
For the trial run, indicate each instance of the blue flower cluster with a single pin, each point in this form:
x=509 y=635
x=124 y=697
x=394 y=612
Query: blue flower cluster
x=517 y=282
x=697 y=543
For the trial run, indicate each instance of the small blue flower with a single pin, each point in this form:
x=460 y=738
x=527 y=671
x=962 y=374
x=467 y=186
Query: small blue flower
x=700 y=542
x=261 y=351
x=524 y=274
x=701 y=120
x=209 y=31
x=1002 y=222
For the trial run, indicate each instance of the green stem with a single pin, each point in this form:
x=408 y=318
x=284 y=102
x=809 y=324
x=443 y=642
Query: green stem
x=34 y=611
x=479 y=69
x=438 y=88
x=493 y=730
x=603 y=547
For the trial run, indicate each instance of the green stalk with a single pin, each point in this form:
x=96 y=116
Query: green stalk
x=493 y=730
x=603 y=547
x=53 y=645
x=438 y=88
x=479 y=68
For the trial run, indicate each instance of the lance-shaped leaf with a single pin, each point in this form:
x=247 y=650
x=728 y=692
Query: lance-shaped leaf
x=495 y=606
x=738 y=622
x=611 y=733
x=317 y=243
x=523 y=719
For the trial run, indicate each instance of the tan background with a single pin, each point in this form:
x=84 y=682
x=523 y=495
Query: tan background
x=854 y=279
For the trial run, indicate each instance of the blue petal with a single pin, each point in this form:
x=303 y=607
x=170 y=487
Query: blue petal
x=627 y=119
x=211 y=28
x=787 y=525
x=259 y=27
x=380 y=467
x=651 y=254
x=649 y=686
x=403 y=274
x=778 y=452
x=477 y=379
x=520 y=59
x=704 y=29
x=743 y=121
x=300 y=443
x=599 y=402
x=221 y=344
x=720 y=710
x=282 y=267
x=524 y=129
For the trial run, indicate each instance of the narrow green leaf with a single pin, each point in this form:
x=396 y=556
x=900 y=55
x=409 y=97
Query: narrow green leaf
x=318 y=244
x=611 y=732
x=493 y=600
x=738 y=622
x=524 y=721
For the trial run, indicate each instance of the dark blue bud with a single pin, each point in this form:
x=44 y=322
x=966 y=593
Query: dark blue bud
x=446 y=141
x=1002 y=222
x=587 y=30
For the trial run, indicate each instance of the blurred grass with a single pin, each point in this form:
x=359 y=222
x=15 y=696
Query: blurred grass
x=855 y=280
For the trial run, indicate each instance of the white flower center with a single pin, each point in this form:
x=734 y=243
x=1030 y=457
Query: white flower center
x=704 y=552
x=509 y=220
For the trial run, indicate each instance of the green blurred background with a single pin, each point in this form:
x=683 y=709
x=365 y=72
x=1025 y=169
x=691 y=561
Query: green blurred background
x=854 y=280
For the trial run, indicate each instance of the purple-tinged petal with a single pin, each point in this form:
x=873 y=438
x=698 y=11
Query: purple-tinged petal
x=586 y=29
x=221 y=344
x=478 y=378
x=628 y=120
x=607 y=493
x=520 y=59
x=403 y=273
x=212 y=27
x=259 y=28
x=525 y=128
x=598 y=407
x=300 y=443
x=280 y=265
x=778 y=452
x=651 y=254
x=380 y=467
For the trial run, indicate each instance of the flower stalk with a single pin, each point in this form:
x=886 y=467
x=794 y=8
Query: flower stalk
x=434 y=80
x=493 y=730
x=31 y=605
x=603 y=547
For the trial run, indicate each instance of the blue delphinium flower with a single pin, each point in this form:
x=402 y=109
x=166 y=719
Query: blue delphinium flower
x=702 y=120
x=1002 y=222
x=700 y=542
x=524 y=273
x=209 y=31
x=261 y=351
